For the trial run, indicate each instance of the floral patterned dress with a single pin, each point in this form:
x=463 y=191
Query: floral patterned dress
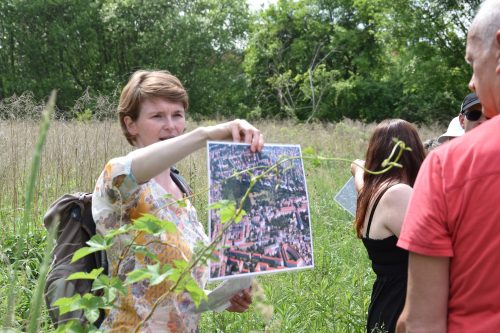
x=117 y=200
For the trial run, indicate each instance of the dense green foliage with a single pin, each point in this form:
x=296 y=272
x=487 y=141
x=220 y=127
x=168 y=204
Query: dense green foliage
x=304 y=59
x=361 y=59
x=79 y=44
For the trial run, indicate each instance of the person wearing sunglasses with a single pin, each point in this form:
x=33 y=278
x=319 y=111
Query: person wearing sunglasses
x=470 y=117
x=471 y=114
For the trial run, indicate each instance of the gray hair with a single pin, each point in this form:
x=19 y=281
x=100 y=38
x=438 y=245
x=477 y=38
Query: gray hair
x=487 y=20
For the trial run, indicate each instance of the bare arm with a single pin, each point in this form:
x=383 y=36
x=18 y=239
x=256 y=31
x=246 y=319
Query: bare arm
x=426 y=306
x=358 y=172
x=394 y=204
x=150 y=161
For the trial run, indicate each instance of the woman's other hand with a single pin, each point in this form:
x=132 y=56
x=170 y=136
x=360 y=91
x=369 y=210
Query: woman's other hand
x=241 y=301
x=239 y=131
x=357 y=166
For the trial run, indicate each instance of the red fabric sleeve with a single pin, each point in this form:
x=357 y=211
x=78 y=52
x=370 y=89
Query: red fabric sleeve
x=425 y=229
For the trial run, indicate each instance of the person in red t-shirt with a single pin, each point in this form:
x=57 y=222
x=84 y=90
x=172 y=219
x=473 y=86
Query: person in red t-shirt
x=452 y=226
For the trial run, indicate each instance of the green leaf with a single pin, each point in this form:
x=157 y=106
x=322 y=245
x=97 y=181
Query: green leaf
x=111 y=289
x=117 y=284
x=181 y=203
x=219 y=204
x=91 y=314
x=99 y=242
x=90 y=305
x=152 y=225
x=316 y=161
x=309 y=150
x=194 y=290
x=85 y=276
x=140 y=249
x=175 y=276
x=239 y=216
x=115 y=232
x=68 y=304
x=102 y=281
x=160 y=276
x=82 y=252
x=96 y=243
x=72 y=326
x=181 y=264
x=109 y=296
x=155 y=273
x=137 y=275
x=227 y=209
x=227 y=213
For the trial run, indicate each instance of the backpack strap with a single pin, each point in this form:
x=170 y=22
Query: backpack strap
x=88 y=224
x=59 y=206
x=180 y=182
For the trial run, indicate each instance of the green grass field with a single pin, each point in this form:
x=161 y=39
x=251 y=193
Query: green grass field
x=332 y=297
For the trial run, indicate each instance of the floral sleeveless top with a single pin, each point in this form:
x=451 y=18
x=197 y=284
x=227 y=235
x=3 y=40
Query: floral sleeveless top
x=117 y=200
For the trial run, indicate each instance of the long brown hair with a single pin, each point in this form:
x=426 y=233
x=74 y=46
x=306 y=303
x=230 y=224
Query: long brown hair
x=379 y=148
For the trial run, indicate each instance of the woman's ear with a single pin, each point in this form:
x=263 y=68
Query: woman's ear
x=131 y=125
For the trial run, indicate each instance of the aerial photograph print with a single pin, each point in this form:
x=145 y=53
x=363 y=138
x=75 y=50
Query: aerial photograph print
x=274 y=235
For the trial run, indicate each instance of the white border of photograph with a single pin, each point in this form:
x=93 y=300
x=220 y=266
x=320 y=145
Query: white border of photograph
x=255 y=234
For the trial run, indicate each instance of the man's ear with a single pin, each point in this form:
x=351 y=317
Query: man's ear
x=461 y=117
x=497 y=50
x=131 y=125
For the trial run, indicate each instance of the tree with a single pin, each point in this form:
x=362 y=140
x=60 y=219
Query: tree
x=365 y=59
x=313 y=54
x=74 y=45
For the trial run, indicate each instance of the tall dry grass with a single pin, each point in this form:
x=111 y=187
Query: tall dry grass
x=76 y=152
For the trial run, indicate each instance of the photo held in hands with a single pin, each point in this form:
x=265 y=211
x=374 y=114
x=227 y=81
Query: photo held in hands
x=259 y=216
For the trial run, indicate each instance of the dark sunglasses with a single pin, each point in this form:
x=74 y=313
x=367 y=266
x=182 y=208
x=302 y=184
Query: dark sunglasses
x=473 y=115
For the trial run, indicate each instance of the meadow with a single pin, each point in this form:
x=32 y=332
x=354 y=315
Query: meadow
x=332 y=297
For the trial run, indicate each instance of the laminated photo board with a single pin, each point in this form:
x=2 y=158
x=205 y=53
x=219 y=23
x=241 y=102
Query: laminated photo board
x=347 y=197
x=274 y=235
x=219 y=299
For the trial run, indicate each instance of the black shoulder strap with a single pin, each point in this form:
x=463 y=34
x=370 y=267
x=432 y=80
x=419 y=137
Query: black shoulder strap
x=180 y=181
x=373 y=210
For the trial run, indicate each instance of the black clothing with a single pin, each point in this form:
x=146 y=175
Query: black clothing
x=390 y=264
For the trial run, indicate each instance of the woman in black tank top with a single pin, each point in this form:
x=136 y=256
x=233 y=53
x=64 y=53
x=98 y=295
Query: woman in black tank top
x=380 y=211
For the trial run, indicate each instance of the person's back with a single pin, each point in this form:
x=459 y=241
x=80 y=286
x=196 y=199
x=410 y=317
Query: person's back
x=453 y=224
x=467 y=228
x=389 y=262
x=381 y=208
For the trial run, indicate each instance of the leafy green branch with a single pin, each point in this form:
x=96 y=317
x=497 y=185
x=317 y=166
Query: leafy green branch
x=392 y=161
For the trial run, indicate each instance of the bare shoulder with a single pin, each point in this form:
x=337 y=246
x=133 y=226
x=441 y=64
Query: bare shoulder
x=395 y=202
x=397 y=194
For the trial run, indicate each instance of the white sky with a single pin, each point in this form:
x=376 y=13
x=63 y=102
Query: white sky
x=256 y=4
